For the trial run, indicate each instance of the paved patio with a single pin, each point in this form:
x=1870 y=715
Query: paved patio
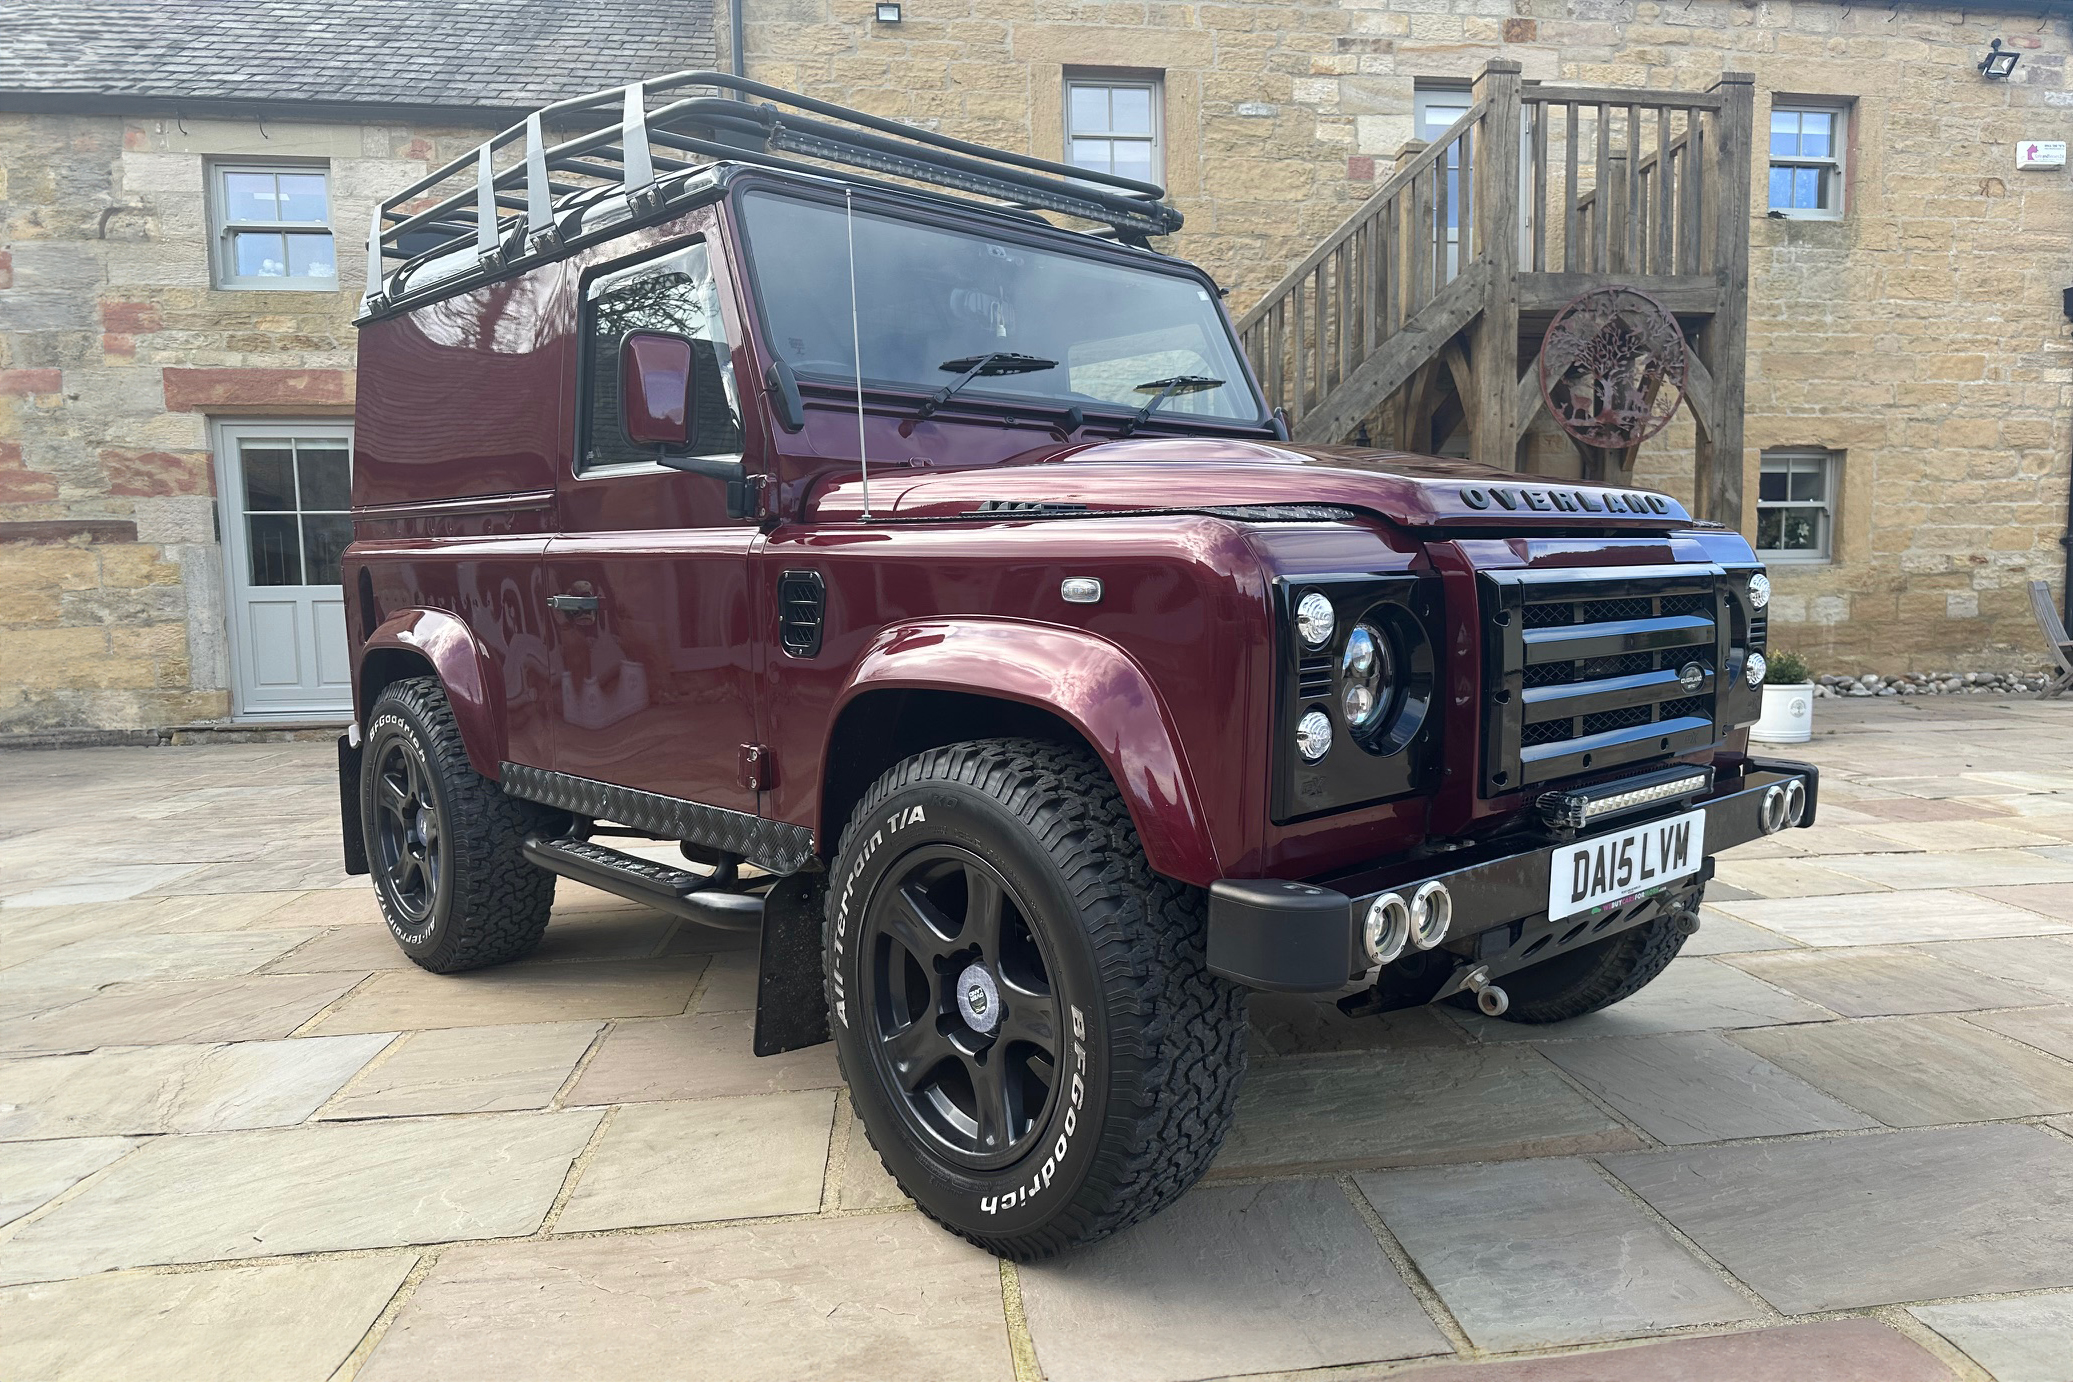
x=240 y=1136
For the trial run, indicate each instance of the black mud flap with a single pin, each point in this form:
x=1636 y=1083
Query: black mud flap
x=349 y=828
x=791 y=984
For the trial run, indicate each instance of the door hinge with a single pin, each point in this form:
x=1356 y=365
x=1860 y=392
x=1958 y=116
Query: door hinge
x=758 y=774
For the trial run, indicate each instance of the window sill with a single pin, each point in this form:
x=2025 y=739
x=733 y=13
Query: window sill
x=1792 y=559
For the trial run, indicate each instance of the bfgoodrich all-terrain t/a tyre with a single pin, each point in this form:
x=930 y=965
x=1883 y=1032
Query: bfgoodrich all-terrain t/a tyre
x=1021 y=1008
x=444 y=843
x=1596 y=976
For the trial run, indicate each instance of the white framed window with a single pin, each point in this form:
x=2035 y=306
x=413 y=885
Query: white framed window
x=1796 y=504
x=1807 y=142
x=1436 y=106
x=271 y=225
x=1112 y=125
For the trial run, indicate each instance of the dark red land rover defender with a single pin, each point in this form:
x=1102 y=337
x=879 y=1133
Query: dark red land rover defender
x=937 y=579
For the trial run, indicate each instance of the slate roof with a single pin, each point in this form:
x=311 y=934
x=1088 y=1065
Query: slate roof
x=504 y=55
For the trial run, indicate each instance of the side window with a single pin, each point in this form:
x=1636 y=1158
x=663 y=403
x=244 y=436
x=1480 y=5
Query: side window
x=1807 y=143
x=272 y=226
x=1796 y=504
x=675 y=295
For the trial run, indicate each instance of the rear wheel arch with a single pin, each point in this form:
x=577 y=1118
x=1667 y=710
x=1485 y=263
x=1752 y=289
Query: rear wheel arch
x=432 y=642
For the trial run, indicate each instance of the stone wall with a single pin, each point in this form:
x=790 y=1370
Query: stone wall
x=115 y=354
x=1921 y=335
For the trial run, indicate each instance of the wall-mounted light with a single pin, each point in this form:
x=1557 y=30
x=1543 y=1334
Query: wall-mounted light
x=889 y=13
x=1995 y=66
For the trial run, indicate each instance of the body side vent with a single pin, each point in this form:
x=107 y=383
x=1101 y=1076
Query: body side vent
x=802 y=600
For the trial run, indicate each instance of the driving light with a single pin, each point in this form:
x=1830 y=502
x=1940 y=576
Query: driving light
x=1314 y=620
x=1314 y=736
x=1364 y=675
x=1432 y=912
x=1753 y=670
x=1387 y=927
x=1760 y=590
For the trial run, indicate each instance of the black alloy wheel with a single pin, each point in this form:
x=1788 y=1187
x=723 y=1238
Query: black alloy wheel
x=409 y=837
x=962 y=1017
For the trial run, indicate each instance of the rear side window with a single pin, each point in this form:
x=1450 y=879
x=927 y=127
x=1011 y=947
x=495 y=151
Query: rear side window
x=674 y=294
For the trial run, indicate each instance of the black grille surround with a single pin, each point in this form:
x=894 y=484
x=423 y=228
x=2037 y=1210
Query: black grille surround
x=1588 y=669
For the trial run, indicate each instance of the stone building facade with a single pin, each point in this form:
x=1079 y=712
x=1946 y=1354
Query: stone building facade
x=1915 y=342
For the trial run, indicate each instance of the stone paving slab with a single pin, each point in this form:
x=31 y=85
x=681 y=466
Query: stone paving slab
x=467 y=1070
x=1692 y=995
x=2047 y=1029
x=1796 y=877
x=115 y=884
x=1409 y=1108
x=32 y=1174
x=1863 y=1219
x=2024 y=1339
x=1830 y=1351
x=2006 y=833
x=1527 y=1254
x=1870 y=981
x=1897 y=918
x=1286 y=1024
x=407 y=999
x=1686 y=1087
x=161 y=1089
x=1958 y=869
x=707 y=1056
x=2037 y=963
x=729 y=985
x=1911 y=1072
x=2054 y=900
x=873 y=1296
x=866 y=1184
x=252 y=1008
x=1232 y=1279
x=322 y=1188
x=142 y=959
x=1721 y=934
x=687 y=1163
x=280 y=1321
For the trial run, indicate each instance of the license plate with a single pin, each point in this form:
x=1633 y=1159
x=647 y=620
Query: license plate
x=1591 y=873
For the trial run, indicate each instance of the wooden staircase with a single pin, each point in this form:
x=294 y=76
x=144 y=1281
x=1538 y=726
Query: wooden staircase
x=1424 y=311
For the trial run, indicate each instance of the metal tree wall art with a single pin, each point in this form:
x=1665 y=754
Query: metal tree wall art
x=1612 y=368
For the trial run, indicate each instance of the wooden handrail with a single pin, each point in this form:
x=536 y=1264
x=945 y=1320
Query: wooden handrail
x=1618 y=96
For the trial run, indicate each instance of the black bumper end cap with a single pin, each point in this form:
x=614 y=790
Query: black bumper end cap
x=1287 y=937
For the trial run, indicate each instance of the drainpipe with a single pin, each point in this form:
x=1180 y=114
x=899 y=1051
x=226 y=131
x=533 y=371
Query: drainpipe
x=734 y=23
x=2066 y=538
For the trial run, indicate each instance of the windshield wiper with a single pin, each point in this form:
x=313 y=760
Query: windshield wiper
x=973 y=366
x=1167 y=388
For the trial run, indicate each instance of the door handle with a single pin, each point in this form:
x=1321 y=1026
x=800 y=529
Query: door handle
x=572 y=604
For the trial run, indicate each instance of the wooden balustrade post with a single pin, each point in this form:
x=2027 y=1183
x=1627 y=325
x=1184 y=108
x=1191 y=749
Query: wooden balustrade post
x=1723 y=342
x=1494 y=349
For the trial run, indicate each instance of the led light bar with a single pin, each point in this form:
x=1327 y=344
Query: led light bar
x=1585 y=806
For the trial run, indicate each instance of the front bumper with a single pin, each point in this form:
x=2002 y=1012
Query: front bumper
x=1306 y=937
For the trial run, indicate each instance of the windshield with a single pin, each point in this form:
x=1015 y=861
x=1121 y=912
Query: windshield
x=931 y=301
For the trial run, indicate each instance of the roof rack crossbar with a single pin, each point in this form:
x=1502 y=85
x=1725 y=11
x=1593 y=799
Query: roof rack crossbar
x=613 y=134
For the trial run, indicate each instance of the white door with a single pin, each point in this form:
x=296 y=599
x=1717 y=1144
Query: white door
x=287 y=495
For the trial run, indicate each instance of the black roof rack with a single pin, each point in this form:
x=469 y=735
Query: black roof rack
x=457 y=213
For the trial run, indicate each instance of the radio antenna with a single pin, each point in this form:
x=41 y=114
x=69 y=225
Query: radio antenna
x=856 y=347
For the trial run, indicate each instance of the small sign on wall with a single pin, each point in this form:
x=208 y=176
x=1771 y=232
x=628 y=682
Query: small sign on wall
x=2040 y=153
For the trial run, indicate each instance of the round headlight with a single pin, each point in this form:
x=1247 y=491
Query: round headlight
x=1314 y=735
x=1760 y=590
x=1314 y=620
x=1753 y=670
x=1365 y=670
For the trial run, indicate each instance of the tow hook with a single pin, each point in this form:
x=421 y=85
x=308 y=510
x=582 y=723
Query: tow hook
x=1687 y=921
x=1491 y=1000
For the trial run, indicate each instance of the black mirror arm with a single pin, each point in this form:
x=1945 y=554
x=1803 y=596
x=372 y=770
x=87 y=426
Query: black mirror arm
x=783 y=387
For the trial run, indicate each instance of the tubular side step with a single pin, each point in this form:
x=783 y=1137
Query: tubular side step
x=679 y=892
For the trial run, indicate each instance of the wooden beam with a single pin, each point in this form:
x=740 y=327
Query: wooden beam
x=1722 y=345
x=1688 y=295
x=1529 y=402
x=1699 y=393
x=1396 y=359
x=1455 y=357
x=1621 y=96
x=1491 y=403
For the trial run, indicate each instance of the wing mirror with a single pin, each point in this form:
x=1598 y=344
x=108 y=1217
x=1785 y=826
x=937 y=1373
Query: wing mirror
x=655 y=390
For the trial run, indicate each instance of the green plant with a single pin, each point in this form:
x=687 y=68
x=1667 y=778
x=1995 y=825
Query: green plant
x=1787 y=669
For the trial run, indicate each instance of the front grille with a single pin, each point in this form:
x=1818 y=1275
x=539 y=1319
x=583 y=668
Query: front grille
x=1586 y=670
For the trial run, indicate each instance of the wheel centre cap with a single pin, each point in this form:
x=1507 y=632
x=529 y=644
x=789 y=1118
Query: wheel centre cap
x=423 y=819
x=978 y=999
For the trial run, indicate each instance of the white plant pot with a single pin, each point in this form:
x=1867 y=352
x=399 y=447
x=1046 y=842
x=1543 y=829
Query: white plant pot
x=1788 y=714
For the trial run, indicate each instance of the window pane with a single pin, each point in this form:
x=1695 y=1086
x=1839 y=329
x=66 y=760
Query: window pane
x=1808 y=481
x=302 y=198
x=250 y=197
x=276 y=556
x=259 y=256
x=327 y=477
x=324 y=538
x=1817 y=134
x=1781 y=187
x=1090 y=110
x=1133 y=159
x=269 y=477
x=1440 y=117
x=1767 y=529
x=1806 y=189
x=1131 y=110
x=310 y=256
x=1092 y=154
x=1770 y=484
x=1785 y=132
x=676 y=295
x=1802 y=530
